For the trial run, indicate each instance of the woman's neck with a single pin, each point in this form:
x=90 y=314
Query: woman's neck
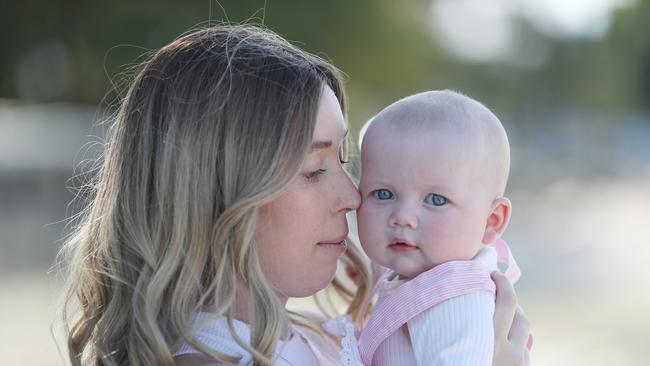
x=243 y=308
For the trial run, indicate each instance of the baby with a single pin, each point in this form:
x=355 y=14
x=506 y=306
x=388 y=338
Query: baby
x=434 y=172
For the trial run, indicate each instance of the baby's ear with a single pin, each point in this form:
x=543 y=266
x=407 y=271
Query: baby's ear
x=498 y=219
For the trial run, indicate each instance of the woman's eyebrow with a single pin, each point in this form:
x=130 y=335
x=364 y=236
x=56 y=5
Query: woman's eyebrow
x=321 y=144
x=316 y=145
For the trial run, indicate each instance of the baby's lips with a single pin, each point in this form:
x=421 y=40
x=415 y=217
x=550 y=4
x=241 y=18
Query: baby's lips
x=401 y=241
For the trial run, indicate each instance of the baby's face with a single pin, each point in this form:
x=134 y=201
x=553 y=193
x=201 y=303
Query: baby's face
x=423 y=201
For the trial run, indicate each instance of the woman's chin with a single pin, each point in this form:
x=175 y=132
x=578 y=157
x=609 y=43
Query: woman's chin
x=311 y=286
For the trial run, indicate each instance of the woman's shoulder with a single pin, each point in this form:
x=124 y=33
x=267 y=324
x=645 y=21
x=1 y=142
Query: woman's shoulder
x=214 y=333
x=195 y=359
x=324 y=345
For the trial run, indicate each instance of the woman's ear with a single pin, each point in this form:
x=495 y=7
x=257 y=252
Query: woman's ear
x=498 y=219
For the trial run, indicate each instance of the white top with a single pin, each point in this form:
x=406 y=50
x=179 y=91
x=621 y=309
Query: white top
x=304 y=348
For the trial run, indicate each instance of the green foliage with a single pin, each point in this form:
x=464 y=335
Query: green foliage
x=383 y=46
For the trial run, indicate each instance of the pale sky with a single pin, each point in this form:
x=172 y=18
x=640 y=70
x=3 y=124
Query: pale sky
x=485 y=31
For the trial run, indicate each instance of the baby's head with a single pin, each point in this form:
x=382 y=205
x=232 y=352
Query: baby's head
x=434 y=171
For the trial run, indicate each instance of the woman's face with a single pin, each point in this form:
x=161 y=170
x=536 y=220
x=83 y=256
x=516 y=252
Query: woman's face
x=301 y=233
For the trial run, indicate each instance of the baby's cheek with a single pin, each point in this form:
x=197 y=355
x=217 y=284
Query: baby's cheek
x=370 y=231
x=367 y=217
x=437 y=231
x=440 y=241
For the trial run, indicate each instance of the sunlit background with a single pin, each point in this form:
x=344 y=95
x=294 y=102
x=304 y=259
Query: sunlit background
x=570 y=80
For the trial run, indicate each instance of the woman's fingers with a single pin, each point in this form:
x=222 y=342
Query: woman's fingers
x=506 y=306
x=526 y=357
x=520 y=330
x=511 y=326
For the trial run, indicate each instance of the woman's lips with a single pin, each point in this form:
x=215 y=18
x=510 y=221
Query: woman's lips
x=338 y=247
x=338 y=243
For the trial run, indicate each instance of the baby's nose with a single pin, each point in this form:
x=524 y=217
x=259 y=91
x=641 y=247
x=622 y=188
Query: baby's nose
x=403 y=217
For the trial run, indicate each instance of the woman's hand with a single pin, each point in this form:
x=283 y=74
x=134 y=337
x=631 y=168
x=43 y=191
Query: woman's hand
x=511 y=327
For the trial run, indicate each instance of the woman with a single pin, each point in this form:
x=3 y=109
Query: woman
x=222 y=194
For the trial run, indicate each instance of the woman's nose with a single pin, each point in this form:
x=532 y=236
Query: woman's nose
x=349 y=198
x=403 y=216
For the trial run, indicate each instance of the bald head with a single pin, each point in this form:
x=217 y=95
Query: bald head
x=466 y=125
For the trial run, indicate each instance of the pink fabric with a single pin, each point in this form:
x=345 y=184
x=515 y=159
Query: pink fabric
x=504 y=255
x=512 y=273
x=430 y=288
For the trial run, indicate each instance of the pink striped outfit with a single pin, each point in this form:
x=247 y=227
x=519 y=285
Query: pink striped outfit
x=441 y=317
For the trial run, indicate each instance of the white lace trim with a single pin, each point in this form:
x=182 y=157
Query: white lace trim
x=343 y=327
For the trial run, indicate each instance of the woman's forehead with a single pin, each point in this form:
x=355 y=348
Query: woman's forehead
x=330 y=124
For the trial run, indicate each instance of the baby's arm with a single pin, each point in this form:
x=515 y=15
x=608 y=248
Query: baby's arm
x=459 y=331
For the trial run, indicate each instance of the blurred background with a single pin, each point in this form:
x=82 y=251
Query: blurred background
x=570 y=79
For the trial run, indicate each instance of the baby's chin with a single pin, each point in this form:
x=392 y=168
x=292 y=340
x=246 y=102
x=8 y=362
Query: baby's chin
x=408 y=272
x=412 y=270
x=405 y=266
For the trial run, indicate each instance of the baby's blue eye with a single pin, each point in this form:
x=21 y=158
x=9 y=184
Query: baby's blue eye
x=382 y=194
x=435 y=199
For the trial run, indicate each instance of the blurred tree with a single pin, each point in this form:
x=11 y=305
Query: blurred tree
x=385 y=47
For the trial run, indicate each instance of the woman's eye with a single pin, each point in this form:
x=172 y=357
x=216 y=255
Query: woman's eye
x=344 y=153
x=435 y=199
x=313 y=176
x=382 y=194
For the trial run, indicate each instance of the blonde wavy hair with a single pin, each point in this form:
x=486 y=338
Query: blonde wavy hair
x=215 y=124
